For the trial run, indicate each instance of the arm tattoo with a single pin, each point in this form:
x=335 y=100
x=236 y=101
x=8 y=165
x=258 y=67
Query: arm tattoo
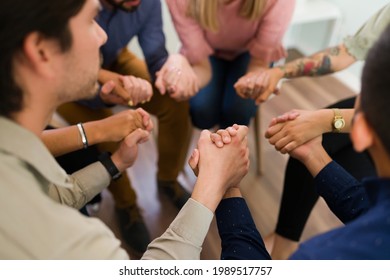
x=316 y=65
x=325 y=67
x=335 y=51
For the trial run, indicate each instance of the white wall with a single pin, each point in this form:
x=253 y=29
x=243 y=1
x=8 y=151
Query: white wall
x=356 y=12
x=353 y=15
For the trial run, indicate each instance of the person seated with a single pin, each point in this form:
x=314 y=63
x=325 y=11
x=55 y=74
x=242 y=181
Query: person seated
x=228 y=43
x=50 y=57
x=74 y=147
x=364 y=206
x=127 y=80
x=299 y=197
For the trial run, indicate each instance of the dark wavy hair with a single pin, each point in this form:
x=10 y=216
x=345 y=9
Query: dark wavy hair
x=18 y=18
x=375 y=92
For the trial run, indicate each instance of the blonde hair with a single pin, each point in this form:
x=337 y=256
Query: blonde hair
x=205 y=11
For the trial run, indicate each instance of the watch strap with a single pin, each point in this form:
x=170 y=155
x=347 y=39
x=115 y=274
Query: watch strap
x=105 y=159
x=337 y=120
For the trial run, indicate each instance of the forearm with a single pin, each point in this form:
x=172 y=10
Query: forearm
x=256 y=64
x=206 y=192
x=347 y=114
x=325 y=62
x=202 y=71
x=344 y=194
x=104 y=76
x=239 y=235
x=87 y=183
x=184 y=238
x=232 y=192
x=325 y=119
x=317 y=160
x=64 y=140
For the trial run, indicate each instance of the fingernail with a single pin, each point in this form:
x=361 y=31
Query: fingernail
x=131 y=103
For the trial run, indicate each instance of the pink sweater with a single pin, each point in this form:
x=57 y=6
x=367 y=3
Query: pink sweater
x=262 y=37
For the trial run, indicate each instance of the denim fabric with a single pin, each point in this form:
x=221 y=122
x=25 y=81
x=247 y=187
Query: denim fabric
x=218 y=104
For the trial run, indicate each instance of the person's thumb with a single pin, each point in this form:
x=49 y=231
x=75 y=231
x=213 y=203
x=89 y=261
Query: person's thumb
x=138 y=136
x=193 y=161
x=108 y=87
x=159 y=84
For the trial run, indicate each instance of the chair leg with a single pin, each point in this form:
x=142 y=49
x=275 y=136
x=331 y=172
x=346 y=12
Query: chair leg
x=257 y=127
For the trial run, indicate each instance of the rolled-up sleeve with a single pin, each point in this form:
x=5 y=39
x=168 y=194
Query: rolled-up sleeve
x=359 y=44
x=267 y=45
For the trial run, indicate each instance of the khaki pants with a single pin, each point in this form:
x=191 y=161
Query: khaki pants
x=174 y=129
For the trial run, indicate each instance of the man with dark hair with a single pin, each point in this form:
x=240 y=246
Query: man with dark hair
x=52 y=56
x=363 y=207
x=128 y=81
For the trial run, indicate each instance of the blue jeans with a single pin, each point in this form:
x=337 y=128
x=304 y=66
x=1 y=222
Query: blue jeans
x=218 y=102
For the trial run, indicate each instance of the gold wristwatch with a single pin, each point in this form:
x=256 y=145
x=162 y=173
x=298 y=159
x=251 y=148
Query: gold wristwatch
x=338 y=122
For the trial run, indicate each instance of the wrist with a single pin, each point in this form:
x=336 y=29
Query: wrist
x=232 y=192
x=98 y=130
x=326 y=117
x=92 y=132
x=208 y=192
x=106 y=159
x=316 y=160
x=120 y=165
x=338 y=122
x=83 y=135
x=277 y=73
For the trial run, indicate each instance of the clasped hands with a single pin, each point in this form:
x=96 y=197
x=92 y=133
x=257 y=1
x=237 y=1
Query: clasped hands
x=177 y=78
x=259 y=85
x=130 y=127
x=124 y=89
x=297 y=132
x=220 y=161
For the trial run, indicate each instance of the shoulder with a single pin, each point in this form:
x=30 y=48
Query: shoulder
x=150 y=4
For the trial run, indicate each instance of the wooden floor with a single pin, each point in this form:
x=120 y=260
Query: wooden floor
x=262 y=193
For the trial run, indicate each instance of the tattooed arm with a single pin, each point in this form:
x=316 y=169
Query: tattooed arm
x=324 y=62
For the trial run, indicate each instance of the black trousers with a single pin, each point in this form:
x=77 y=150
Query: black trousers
x=299 y=194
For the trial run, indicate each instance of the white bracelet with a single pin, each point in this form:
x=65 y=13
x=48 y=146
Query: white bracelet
x=83 y=135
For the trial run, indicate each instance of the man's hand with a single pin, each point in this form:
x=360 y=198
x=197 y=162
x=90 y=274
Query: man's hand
x=219 y=168
x=177 y=78
x=224 y=136
x=219 y=138
x=124 y=89
x=127 y=152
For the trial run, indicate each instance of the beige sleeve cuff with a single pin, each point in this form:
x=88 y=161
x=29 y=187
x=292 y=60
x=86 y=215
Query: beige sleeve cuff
x=185 y=236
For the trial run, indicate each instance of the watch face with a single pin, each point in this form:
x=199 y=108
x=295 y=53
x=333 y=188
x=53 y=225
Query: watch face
x=338 y=124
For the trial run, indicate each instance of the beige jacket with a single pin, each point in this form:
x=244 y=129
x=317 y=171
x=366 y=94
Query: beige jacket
x=38 y=219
